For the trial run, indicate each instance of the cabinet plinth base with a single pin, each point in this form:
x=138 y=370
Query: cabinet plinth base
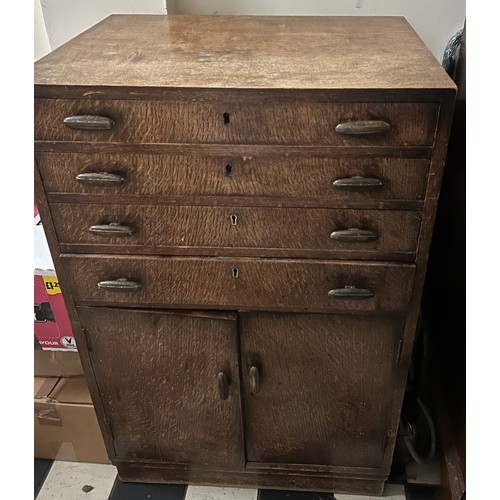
x=156 y=473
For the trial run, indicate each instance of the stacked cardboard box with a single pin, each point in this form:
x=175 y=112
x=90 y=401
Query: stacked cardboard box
x=66 y=426
x=57 y=364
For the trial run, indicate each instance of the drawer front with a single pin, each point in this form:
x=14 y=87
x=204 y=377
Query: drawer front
x=309 y=178
x=106 y=228
x=409 y=124
x=227 y=283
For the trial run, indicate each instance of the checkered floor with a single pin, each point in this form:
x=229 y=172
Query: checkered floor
x=75 y=481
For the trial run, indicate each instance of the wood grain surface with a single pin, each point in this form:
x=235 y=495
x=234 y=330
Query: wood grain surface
x=304 y=181
x=307 y=179
x=326 y=387
x=163 y=229
x=166 y=407
x=305 y=124
x=272 y=52
x=265 y=477
x=239 y=283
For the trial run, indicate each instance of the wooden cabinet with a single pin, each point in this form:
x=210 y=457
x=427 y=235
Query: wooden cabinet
x=240 y=223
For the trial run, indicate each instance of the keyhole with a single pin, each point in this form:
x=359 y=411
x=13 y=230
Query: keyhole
x=226 y=118
x=235 y=273
x=229 y=170
x=234 y=219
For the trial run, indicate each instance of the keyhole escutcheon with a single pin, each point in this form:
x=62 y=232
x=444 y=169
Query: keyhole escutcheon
x=234 y=220
x=236 y=273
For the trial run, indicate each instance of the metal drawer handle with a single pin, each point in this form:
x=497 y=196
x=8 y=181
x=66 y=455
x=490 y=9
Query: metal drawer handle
x=354 y=235
x=222 y=386
x=254 y=380
x=362 y=127
x=112 y=229
x=120 y=284
x=357 y=183
x=350 y=292
x=89 y=122
x=100 y=179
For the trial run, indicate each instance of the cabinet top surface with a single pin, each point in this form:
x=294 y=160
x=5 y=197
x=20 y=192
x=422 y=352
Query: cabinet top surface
x=247 y=52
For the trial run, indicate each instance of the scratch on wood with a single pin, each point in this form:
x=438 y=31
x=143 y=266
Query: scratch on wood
x=93 y=92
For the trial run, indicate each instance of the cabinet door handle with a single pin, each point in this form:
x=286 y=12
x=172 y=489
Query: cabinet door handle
x=120 y=284
x=354 y=235
x=254 y=380
x=357 y=183
x=89 y=122
x=350 y=292
x=112 y=229
x=222 y=386
x=100 y=179
x=362 y=127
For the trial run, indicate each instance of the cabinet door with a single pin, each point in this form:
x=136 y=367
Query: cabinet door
x=318 y=388
x=162 y=377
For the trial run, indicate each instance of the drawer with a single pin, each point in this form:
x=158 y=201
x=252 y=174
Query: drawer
x=239 y=283
x=371 y=234
x=309 y=179
x=244 y=122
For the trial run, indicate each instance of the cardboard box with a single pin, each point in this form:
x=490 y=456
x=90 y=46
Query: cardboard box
x=57 y=364
x=66 y=425
x=52 y=326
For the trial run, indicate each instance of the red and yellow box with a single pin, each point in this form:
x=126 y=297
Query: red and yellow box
x=52 y=326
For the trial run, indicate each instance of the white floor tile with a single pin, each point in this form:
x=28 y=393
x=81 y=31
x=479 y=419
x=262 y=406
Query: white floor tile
x=391 y=492
x=215 y=493
x=65 y=481
x=428 y=473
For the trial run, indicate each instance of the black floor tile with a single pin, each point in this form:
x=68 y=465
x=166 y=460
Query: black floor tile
x=144 y=491
x=42 y=467
x=397 y=474
x=293 y=495
x=420 y=492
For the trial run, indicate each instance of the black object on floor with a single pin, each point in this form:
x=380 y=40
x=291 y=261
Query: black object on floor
x=144 y=491
x=293 y=495
x=42 y=467
x=397 y=474
x=420 y=492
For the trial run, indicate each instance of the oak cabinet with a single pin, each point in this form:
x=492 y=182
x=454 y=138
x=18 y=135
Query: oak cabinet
x=239 y=210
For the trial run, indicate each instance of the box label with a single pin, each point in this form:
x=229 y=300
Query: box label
x=51 y=285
